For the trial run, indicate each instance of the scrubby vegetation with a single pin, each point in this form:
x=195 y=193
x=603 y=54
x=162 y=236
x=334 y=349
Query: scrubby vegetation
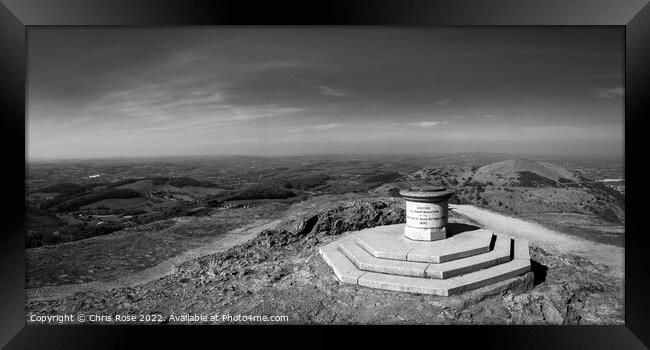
x=64 y=189
x=262 y=191
x=305 y=182
x=76 y=202
x=187 y=181
x=70 y=233
x=530 y=179
x=566 y=181
x=124 y=182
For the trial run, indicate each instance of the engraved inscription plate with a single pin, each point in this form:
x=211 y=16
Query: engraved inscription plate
x=426 y=215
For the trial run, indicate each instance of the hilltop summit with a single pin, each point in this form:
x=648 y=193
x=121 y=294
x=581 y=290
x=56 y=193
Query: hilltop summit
x=524 y=172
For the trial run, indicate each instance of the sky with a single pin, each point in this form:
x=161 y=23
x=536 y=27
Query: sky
x=147 y=91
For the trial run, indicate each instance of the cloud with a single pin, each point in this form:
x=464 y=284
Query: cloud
x=428 y=124
x=327 y=126
x=490 y=116
x=610 y=93
x=443 y=102
x=170 y=107
x=315 y=127
x=331 y=91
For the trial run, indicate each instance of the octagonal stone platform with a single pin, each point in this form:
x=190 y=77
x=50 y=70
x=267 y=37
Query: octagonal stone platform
x=388 y=242
x=381 y=257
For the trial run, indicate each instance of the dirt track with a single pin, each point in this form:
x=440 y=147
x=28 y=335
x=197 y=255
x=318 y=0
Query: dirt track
x=549 y=240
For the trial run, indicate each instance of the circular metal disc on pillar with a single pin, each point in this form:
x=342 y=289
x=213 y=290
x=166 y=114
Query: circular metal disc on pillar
x=426 y=194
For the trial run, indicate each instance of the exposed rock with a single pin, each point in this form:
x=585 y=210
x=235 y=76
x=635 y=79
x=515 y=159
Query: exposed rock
x=551 y=315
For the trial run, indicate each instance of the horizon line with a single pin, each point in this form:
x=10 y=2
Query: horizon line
x=289 y=155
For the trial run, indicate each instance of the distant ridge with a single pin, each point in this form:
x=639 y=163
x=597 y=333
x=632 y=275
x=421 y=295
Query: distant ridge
x=516 y=171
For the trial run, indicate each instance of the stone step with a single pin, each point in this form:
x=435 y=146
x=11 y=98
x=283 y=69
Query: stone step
x=501 y=253
x=367 y=262
x=388 y=242
x=445 y=287
x=343 y=268
x=347 y=272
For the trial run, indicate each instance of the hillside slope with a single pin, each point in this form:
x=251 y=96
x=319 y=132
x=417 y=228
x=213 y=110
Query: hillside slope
x=518 y=171
x=527 y=187
x=279 y=272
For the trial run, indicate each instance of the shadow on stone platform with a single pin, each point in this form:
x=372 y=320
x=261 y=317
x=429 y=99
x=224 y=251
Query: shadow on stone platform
x=454 y=228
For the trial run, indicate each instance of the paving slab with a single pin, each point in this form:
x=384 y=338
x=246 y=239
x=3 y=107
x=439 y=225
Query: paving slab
x=386 y=242
x=500 y=254
x=458 y=246
x=343 y=268
x=365 y=261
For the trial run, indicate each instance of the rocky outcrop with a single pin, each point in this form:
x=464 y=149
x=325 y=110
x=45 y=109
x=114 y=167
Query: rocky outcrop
x=307 y=224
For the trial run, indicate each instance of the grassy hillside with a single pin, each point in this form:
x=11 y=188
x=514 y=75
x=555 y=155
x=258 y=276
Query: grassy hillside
x=64 y=189
x=305 y=182
x=527 y=187
x=382 y=177
x=522 y=172
x=76 y=202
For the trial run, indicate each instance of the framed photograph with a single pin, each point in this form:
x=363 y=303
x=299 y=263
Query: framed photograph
x=236 y=168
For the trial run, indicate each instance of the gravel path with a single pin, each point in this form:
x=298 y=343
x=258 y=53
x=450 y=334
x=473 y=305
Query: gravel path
x=167 y=267
x=549 y=240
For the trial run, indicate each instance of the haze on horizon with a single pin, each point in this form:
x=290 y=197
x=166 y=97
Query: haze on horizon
x=139 y=92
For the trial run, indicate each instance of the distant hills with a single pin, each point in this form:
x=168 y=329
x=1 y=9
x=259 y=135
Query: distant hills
x=523 y=172
x=521 y=186
x=67 y=211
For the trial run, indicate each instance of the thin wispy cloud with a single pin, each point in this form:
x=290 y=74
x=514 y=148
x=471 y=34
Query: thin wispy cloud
x=163 y=108
x=330 y=126
x=428 y=124
x=327 y=126
x=443 y=102
x=610 y=93
x=489 y=116
x=332 y=91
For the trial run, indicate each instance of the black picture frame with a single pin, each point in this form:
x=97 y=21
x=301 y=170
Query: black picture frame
x=17 y=15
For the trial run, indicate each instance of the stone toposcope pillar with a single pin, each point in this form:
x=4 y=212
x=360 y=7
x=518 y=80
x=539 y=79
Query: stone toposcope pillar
x=426 y=212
